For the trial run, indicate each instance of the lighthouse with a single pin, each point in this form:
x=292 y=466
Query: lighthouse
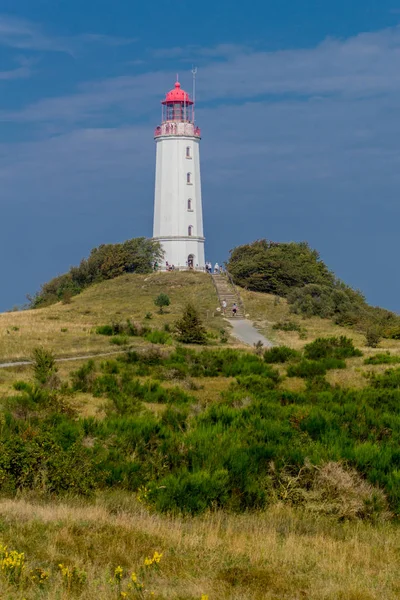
x=178 y=215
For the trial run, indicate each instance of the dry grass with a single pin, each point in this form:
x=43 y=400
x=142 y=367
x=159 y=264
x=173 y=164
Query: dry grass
x=67 y=329
x=280 y=554
x=265 y=310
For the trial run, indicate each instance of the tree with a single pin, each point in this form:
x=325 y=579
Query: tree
x=161 y=301
x=265 y=266
x=372 y=337
x=190 y=329
x=104 y=262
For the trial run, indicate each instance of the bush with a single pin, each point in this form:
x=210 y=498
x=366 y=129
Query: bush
x=287 y=326
x=125 y=329
x=372 y=338
x=191 y=493
x=273 y=268
x=158 y=337
x=161 y=301
x=313 y=368
x=280 y=354
x=382 y=359
x=105 y=330
x=332 y=347
x=83 y=378
x=44 y=365
x=119 y=340
x=333 y=489
x=105 y=262
x=190 y=328
x=390 y=379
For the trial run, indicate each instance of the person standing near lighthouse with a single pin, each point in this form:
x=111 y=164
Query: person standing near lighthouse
x=178 y=214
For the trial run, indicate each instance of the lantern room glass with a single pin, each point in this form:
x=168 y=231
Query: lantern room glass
x=178 y=111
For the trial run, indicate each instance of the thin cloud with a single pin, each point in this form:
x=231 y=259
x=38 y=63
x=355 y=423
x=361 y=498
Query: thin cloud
x=359 y=67
x=108 y=40
x=25 y=35
x=20 y=73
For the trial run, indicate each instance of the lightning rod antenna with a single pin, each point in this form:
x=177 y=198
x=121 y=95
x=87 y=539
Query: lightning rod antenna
x=194 y=71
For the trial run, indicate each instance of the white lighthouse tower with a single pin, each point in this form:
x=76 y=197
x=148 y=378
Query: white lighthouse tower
x=178 y=216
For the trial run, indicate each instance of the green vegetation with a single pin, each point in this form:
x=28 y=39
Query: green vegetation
x=105 y=262
x=332 y=347
x=161 y=301
x=372 y=337
x=190 y=328
x=238 y=453
x=277 y=268
x=280 y=354
x=296 y=272
x=128 y=297
x=382 y=359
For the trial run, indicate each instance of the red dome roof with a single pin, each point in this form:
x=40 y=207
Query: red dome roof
x=177 y=95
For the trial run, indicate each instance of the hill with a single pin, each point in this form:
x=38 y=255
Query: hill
x=296 y=272
x=255 y=476
x=69 y=329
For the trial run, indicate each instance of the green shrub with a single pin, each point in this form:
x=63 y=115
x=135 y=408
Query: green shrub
x=43 y=365
x=388 y=379
x=119 y=340
x=82 y=379
x=280 y=354
x=189 y=328
x=372 y=337
x=313 y=368
x=105 y=330
x=158 y=337
x=191 y=493
x=161 y=301
x=105 y=262
x=265 y=266
x=382 y=359
x=332 y=347
x=287 y=326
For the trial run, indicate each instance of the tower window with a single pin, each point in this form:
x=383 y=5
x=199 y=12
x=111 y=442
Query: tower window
x=190 y=230
x=188 y=152
x=189 y=207
x=189 y=178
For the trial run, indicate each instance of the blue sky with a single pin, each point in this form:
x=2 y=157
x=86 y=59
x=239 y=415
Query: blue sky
x=299 y=105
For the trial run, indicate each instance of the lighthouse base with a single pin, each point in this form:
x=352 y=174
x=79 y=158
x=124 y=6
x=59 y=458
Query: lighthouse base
x=182 y=253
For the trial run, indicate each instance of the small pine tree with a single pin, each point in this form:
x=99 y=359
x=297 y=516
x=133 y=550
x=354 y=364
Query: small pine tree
x=161 y=301
x=190 y=328
x=44 y=366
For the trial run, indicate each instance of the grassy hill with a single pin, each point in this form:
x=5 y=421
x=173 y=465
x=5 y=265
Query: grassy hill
x=290 y=481
x=69 y=329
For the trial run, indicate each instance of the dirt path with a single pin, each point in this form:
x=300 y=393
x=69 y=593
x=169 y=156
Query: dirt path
x=243 y=330
x=23 y=363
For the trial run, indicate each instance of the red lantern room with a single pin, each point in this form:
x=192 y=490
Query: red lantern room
x=177 y=106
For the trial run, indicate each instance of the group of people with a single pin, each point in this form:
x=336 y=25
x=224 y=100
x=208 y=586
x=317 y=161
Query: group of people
x=225 y=305
x=217 y=268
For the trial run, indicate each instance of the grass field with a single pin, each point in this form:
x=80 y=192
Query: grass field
x=265 y=310
x=277 y=554
x=281 y=554
x=67 y=329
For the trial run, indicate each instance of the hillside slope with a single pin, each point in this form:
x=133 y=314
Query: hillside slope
x=67 y=329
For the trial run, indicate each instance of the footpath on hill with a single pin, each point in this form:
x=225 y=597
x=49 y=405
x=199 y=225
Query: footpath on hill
x=22 y=363
x=243 y=330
